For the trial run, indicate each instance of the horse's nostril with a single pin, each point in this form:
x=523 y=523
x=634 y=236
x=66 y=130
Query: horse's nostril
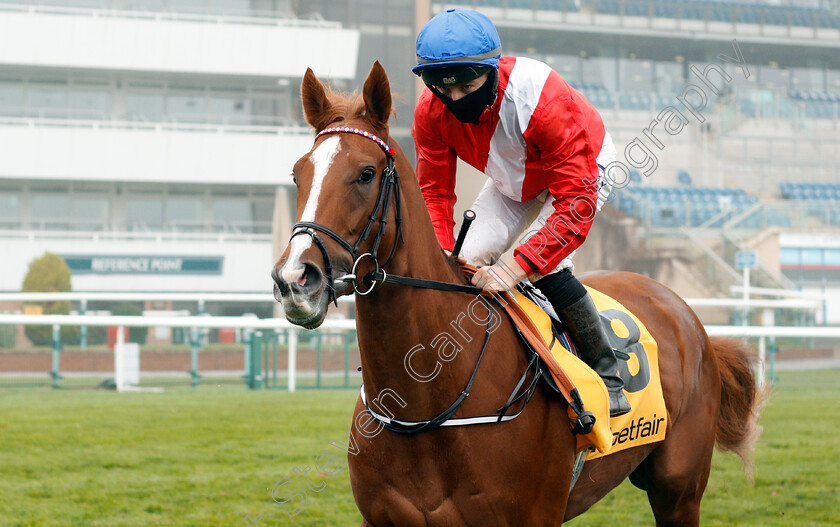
x=311 y=277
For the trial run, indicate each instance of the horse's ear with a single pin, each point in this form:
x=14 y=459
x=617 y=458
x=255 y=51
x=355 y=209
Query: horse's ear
x=377 y=96
x=316 y=103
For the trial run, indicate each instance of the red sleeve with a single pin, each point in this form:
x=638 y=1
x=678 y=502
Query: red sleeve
x=436 y=165
x=568 y=161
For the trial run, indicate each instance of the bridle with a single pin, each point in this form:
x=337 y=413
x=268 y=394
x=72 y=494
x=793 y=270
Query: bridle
x=389 y=189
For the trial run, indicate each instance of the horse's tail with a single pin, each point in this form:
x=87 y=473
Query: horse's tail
x=741 y=399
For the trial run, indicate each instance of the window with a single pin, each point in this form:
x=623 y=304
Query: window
x=144 y=107
x=600 y=70
x=833 y=77
x=12 y=100
x=832 y=257
x=229 y=7
x=183 y=213
x=144 y=213
x=230 y=110
x=48 y=102
x=636 y=75
x=812 y=257
x=187 y=108
x=772 y=77
x=807 y=79
x=669 y=78
x=789 y=256
x=737 y=73
x=51 y=211
x=89 y=213
x=263 y=215
x=231 y=213
x=187 y=6
x=566 y=65
x=9 y=210
x=90 y=104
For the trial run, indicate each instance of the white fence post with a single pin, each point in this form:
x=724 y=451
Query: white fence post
x=762 y=359
x=118 y=359
x=293 y=341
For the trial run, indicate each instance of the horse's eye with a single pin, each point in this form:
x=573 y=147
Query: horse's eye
x=367 y=175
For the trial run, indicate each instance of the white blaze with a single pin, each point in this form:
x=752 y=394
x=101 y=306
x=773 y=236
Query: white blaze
x=321 y=159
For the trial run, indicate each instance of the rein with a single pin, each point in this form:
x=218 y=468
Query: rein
x=389 y=190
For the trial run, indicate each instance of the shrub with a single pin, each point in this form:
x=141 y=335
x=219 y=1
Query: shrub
x=96 y=336
x=48 y=274
x=7 y=336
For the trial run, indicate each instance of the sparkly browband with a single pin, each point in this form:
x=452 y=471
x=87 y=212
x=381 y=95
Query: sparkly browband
x=358 y=131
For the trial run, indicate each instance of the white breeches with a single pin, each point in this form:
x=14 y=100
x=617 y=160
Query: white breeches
x=500 y=221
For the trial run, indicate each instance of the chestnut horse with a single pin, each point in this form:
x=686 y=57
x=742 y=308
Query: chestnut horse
x=516 y=472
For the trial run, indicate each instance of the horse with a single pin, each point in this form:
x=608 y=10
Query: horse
x=421 y=346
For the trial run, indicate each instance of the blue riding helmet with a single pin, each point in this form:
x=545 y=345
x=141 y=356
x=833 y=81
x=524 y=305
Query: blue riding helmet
x=455 y=40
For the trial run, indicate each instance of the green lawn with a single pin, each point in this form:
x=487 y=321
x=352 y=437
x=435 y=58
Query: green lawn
x=212 y=456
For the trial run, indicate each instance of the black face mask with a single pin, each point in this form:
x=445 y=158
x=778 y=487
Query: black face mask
x=468 y=109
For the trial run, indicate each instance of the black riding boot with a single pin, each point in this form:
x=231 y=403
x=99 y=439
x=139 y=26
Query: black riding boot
x=576 y=310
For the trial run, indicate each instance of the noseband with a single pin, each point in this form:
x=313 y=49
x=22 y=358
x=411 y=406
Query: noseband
x=389 y=189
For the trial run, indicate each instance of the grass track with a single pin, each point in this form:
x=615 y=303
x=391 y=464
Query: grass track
x=211 y=457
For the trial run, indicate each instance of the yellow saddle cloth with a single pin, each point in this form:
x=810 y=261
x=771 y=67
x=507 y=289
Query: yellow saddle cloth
x=648 y=420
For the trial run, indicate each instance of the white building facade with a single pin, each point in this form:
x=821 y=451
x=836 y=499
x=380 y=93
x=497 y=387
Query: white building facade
x=145 y=145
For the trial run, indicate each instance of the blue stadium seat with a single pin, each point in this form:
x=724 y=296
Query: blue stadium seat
x=556 y=5
x=800 y=17
x=608 y=7
x=694 y=12
x=636 y=8
x=827 y=21
x=786 y=188
x=676 y=206
x=748 y=14
x=774 y=16
x=720 y=13
x=819 y=109
x=667 y=9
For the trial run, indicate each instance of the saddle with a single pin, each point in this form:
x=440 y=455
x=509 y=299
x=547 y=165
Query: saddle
x=638 y=365
x=563 y=372
x=582 y=389
x=586 y=395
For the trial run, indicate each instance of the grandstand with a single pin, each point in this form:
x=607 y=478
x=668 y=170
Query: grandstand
x=758 y=167
x=181 y=147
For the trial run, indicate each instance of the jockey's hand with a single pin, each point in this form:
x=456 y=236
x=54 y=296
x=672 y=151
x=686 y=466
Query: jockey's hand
x=461 y=258
x=500 y=276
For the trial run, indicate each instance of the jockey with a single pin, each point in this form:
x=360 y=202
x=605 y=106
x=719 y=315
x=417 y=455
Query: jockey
x=544 y=148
